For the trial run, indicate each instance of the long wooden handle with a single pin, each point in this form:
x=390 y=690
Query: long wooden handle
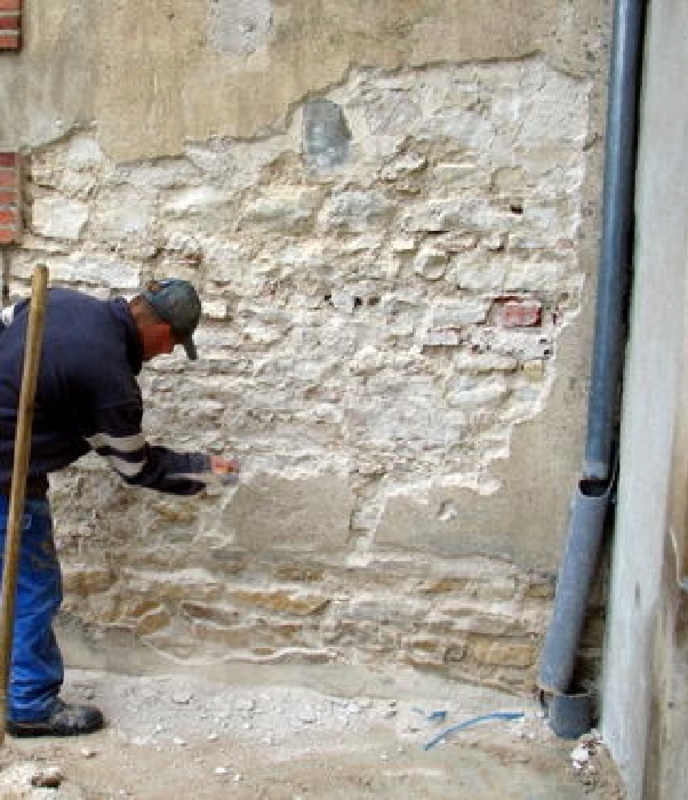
x=20 y=468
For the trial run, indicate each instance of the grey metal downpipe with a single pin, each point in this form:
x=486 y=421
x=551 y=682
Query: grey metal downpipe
x=591 y=500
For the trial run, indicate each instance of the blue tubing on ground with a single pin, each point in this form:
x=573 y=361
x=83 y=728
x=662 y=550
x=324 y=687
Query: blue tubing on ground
x=503 y=715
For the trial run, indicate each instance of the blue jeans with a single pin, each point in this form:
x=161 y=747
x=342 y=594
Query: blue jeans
x=37 y=670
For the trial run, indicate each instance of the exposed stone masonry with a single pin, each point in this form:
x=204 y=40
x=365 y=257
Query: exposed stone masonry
x=384 y=296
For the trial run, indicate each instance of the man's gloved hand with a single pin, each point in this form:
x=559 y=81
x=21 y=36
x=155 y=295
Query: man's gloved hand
x=227 y=469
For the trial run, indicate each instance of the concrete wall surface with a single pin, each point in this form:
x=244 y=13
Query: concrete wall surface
x=390 y=210
x=645 y=713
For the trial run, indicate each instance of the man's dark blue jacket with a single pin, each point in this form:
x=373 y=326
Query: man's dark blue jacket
x=87 y=396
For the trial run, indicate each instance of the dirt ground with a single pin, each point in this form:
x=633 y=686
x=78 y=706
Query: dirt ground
x=175 y=737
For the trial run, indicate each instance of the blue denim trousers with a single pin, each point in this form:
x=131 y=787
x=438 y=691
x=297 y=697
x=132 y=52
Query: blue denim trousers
x=37 y=669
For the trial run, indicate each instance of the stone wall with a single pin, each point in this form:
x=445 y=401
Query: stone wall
x=395 y=335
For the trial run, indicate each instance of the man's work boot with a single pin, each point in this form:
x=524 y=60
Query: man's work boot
x=66 y=719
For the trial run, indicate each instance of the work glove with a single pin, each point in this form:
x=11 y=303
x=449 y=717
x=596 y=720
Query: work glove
x=225 y=469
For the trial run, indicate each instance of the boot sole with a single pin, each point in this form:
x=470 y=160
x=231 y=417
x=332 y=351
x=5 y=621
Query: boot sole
x=28 y=730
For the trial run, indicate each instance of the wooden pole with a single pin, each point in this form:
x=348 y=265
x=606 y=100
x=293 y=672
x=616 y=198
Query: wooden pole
x=20 y=468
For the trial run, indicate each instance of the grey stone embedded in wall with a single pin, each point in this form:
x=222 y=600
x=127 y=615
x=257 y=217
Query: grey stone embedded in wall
x=326 y=135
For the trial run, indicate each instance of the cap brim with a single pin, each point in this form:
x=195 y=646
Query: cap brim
x=190 y=348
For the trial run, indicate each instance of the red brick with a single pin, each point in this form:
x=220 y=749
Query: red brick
x=8 y=235
x=8 y=216
x=521 y=314
x=8 y=178
x=10 y=22
x=9 y=41
x=8 y=198
x=10 y=5
x=9 y=160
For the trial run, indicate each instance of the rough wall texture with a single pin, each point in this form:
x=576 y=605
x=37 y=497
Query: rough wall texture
x=391 y=235
x=10 y=198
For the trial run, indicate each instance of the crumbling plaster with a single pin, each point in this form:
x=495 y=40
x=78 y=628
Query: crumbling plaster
x=153 y=75
x=395 y=432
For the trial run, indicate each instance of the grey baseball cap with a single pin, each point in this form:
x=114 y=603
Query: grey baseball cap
x=176 y=302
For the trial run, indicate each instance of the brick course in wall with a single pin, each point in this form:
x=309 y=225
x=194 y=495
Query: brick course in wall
x=10 y=205
x=10 y=24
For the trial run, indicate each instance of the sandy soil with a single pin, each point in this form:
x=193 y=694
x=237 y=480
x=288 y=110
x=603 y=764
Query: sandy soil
x=175 y=737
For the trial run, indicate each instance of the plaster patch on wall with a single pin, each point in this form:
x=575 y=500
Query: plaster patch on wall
x=240 y=27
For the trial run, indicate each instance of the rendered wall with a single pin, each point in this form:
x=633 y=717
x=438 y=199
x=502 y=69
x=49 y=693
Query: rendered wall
x=390 y=210
x=645 y=714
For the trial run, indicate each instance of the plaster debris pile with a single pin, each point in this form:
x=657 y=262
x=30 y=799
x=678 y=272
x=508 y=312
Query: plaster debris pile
x=279 y=742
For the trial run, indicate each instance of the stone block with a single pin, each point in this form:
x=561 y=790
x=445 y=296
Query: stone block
x=503 y=653
x=466 y=392
x=59 y=218
x=85 y=579
x=356 y=211
x=197 y=201
x=155 y=620
x=431 y=263
x=94 y=271
x=282 y=209
x=326 y=135
x=281 y=601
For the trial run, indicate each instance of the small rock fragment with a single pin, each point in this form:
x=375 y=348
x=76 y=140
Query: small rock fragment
x=580 y=756
x=48 y=778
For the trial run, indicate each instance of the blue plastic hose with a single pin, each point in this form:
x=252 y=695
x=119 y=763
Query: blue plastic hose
x=506 y=715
